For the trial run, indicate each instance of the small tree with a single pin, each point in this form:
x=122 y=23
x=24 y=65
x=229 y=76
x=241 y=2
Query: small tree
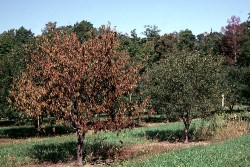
x=78 y=83
x=185 y=84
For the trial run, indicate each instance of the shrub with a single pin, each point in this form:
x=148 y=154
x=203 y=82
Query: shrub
x=6 y=123
x=30 y=131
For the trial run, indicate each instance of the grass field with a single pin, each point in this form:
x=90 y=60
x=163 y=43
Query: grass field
x=63 y=148
x=233 y=152
x=102 y=146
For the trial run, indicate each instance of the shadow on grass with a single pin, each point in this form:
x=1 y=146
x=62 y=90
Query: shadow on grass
x=54 y=152
x=63 y=152
x=171 y=135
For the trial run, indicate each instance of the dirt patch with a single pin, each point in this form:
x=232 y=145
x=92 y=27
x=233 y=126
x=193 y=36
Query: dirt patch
x=6 y=141
x=68 y=164
x=10 y=141
x=153 y=148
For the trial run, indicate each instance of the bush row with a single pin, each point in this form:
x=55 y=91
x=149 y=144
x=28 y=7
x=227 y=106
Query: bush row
x=6 y=123
x=30 y=131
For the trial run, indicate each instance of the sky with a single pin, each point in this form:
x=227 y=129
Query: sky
x=169 y=16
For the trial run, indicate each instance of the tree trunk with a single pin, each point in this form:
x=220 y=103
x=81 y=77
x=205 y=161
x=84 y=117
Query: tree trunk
x=231 y=107
x=38 y=123
x=80 y=139
x=186 y=122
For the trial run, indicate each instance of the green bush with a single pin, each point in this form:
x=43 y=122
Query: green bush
x=18 y=132
x=30 y=131
x=6 y=123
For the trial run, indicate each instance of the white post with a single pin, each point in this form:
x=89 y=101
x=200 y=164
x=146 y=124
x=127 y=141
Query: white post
x=222 y=101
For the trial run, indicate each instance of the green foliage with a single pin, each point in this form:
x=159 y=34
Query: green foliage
x=12 y=63
x=185 y=82
x=186 y=40
x=167 y=43
x=18 y=132
x=233 y=152
x=151 y=32
x=6 y=123
x=185 y=85
x=133 y=45
x=83 y=30
x=244 y=55
x=210 y=43
x=236 y=85
x=30 y=131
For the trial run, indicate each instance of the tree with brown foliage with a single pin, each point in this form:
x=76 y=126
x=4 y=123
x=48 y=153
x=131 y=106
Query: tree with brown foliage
x=81 y=84
x=233 y=36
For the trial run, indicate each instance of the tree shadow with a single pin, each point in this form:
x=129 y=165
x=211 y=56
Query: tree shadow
x=170 y=135
x=54 y=152
x=95 y=152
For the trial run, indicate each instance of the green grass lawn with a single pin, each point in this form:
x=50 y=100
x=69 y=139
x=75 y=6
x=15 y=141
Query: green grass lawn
x=233 y=152
x=106 y=145
x=63 y=148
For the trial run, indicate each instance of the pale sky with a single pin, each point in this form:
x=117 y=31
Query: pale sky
x=169 y=15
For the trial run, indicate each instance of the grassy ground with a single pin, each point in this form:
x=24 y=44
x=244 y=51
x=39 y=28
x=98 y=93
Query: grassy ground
x=106 y=147
x=100 y=146
x=233 y=152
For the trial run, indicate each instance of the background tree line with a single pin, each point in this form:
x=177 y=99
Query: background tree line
x=155 y=51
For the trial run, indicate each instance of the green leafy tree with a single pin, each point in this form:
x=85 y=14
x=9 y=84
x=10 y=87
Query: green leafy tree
x=245 y=81
x=210 y=43
x=12 y=63
x=148 y=44
x=166 y=44
x=236 y=86
x=82 y=84
x=186 y=40
x=151 y=32
x=185 y=84
x=233 y=86
x=83 y=30
x=244 y=55
x=133 y=45
x=237 y=38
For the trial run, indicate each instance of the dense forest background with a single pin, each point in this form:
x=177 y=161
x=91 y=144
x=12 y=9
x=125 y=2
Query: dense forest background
x=232 y=44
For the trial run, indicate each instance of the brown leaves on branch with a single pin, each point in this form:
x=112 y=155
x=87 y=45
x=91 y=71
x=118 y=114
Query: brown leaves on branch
x=80 y=83
x=233 y=36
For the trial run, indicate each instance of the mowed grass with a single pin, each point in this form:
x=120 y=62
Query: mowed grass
x=106 y=146
x=234 y=152
x=102 y=145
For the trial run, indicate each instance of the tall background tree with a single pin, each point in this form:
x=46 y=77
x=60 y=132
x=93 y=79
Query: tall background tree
x=186 y=40
x=82 y=84
x=233 y=36
x=209 y=43
x=12 y=63
x=83 y=30
x=235 y=46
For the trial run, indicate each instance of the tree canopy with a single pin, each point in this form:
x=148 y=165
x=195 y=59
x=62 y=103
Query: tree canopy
x=186 y=84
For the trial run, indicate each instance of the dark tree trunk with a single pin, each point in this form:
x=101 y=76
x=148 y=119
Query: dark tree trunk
x=80 y=140
x=231 y=107
x=186 y=121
